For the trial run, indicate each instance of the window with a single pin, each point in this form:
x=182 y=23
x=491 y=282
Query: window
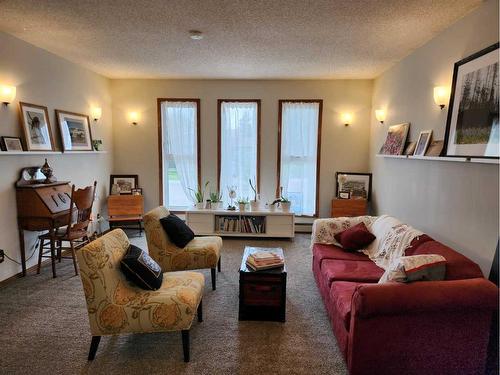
x=298 y=153
x=238 y=146
x=180 y=149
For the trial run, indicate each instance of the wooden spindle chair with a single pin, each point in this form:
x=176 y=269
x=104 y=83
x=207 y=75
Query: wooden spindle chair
x=76 y=232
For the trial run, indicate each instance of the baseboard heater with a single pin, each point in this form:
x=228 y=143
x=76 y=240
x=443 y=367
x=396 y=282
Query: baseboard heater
x=303 y=227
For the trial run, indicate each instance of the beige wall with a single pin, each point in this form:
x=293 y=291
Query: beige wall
x=42 y=78
x=343 y=148
x=456 y=203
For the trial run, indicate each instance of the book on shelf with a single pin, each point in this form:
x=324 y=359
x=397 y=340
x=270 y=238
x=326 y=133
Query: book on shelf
x=240 y=224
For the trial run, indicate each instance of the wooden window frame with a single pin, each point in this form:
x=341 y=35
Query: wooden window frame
x=219 y=127
x=318 y=147
x=160 y=139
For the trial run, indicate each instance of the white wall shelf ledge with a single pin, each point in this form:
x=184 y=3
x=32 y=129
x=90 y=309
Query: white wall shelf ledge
x=438 y=158
x=485 y=161
x=85 y=152
x=30 y=152
x=392 y=156
x=442 y=158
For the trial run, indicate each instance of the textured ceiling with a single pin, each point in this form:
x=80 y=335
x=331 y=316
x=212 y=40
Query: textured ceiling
x=243 y=38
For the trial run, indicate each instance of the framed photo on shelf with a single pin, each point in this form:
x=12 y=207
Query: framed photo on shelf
x=136 y=191
x=11 y=144
x=75 y=131
x=435 y=148
x=344 y=194
x=359 y=185
x=410 y=148
x=472 y=126
x=422 y=143
x=126 y=182
x=396 y=140
x=36 y=127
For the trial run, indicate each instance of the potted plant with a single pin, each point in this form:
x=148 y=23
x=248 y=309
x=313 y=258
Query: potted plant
x=254 y=204
x=285 y=204
x=199 y=196
x=216 y=199
x=242 y=202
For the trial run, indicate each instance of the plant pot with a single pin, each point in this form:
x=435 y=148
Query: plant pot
x=241 y=206
x=254 y=205
x=271 y=207
x=200 y=205
x=285 y=206
x=216 y=205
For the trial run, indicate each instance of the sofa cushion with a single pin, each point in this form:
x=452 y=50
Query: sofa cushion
x=355 y=238
x=348 y=270
x=322 y=252
x=177 y=230
x=457 y=266
x=141 y=269
x=341 y=294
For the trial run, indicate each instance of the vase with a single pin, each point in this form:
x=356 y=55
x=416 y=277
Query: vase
x=285 y=206
x=46 y=170
x=200 y=205
x=242 y=206
x=254 y=205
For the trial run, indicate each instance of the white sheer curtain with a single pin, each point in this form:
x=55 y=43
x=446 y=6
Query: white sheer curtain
x=179 y=122
x=299 y=145
x=238 y=147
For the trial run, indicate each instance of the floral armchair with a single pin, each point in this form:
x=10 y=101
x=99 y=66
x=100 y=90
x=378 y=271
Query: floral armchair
x=115 y=306
x=201 y=252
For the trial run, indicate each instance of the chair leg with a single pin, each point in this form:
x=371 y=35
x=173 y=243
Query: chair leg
x=218 y=264
x=53 y=256
x=74 y=256
x=212 y=271
x=40 y=254
x=94 y=344
x=59 y=250
x=200 y=311
x=185 y=344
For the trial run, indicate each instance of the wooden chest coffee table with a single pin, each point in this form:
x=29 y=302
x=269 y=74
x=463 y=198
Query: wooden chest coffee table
x=262 y=293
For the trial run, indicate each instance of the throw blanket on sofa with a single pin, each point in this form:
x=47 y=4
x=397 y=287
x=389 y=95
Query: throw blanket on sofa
x=324 y=230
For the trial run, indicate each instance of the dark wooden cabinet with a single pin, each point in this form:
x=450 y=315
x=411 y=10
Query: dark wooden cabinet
x=262 y=293
x=349 y=207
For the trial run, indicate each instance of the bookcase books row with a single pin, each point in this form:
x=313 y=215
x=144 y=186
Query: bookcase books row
x=246 y=224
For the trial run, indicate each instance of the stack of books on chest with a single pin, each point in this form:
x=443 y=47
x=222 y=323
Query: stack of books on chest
x=264 y=260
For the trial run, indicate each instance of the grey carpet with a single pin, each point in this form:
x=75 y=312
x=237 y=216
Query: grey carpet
x=44 y=327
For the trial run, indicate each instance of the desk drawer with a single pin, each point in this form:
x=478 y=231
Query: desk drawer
x=262 y=294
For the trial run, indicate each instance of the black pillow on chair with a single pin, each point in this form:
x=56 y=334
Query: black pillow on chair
x=177 y=230
x=141 y=269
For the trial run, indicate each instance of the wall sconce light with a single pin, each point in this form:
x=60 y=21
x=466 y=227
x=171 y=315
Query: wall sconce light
x=96 y=113
x=346 y=118
x=134 y=117
x=380 y=115
x=441 y=95
x=7 y=94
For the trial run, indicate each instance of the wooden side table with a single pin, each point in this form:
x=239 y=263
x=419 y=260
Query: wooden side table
x=262 y=293
x=349 y=207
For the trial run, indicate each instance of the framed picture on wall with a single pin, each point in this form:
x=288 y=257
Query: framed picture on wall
x=422 y=143
x=75 y=131
x=396 y=140
x=36 y=127
x=472 y=127
x=127 y=183
x=11 y=144
x=359 y=185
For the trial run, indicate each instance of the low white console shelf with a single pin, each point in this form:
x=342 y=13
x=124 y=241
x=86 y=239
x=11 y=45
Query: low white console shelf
x=262 y=223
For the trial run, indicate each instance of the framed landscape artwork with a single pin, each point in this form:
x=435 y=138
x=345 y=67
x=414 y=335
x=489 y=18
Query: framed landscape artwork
x=75 y=131
x=11 y=144
x=472 y=128
x=435 y=148
x=423 y=142
x=396 y=140
x=126 y=182
x=36 y=127
x=359 y=185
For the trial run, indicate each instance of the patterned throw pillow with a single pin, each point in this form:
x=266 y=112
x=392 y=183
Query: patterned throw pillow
x=424 y=267
x=141 y=269
x=355 y=238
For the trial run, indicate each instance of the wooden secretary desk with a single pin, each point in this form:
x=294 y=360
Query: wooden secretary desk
x=40 y=206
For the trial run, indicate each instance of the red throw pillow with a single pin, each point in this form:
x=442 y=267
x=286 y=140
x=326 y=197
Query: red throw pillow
x=355 y=238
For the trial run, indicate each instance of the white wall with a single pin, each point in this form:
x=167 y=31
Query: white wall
x=456 y=203
x=343 y=148
x=44 y=79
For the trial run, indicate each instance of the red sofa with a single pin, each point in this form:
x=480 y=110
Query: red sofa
x=431 y=327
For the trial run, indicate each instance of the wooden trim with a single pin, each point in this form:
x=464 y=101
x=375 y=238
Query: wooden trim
x=62 y=112
x=23 y=121
x=318 y=147
x=219 y=125
x=160 y=138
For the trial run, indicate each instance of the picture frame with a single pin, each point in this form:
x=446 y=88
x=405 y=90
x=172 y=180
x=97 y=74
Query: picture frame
x=10 y=144
x=395 y=140
x=359 y=185
x=136 y=191
x=97 y=144
x=410 y=148
x=36 y=127
x=126 y=182
x=422 y=142
x=435 y=148
x=472 y=126
x=344 y=195
x=75 y=131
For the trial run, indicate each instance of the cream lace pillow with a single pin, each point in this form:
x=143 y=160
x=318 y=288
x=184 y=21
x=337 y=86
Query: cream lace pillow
x=425 y=267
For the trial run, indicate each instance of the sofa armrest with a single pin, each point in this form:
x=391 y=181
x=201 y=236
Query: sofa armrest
x=394 y=298
x=324 y=230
